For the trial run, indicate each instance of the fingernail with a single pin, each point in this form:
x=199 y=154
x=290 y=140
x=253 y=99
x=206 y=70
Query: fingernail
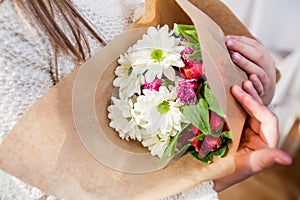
x=227 y=37
x=253 y=77
x=249 y=83
x=229 y=43
x=285 y=159
x=238 y=89
x=236 y=56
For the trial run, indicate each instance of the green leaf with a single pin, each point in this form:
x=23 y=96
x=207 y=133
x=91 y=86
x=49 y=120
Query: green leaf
x=226 y=134
x=196 y=55
x=169 y=151
x=198 y=115
x=167 y=82
x=181 y=152
x=213 y=103
x=207 y=159
x=200 y=137
x=192 y=45
x=221 y=151
x=187 y=31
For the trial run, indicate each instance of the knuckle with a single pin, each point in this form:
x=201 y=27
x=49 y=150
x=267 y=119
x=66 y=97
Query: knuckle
x=260 y=55
x=243 y=38
x=241 y=46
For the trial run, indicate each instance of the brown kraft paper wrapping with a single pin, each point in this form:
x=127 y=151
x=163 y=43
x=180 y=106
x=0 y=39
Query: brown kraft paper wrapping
x=44 y=149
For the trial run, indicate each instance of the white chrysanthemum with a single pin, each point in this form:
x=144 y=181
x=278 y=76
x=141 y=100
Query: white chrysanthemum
x=123 y=119
x=128 y=82
x=156 y=53
x=160 y=111
x=157 y=143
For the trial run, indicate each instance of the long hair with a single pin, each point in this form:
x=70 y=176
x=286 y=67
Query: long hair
x=56 y=18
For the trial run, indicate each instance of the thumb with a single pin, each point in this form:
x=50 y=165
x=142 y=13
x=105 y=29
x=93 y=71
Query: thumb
x=265 y=158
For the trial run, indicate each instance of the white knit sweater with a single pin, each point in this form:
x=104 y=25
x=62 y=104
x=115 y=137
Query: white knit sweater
x=26 y=63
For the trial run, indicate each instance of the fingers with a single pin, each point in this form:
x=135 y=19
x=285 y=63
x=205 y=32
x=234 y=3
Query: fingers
x=268 y=129
x=250 y=48
x=249 y=87
x=247 y=47
x=265 y=158
x=243 y=39
x=257 y=84
x=247 y=65
x=253 y=108
x=250 y=55
x=253 y=58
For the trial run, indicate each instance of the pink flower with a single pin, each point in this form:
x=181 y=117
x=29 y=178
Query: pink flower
x=154 y=85
x=186 y=91
x=195 y=130
x=216 y=122
x=187 y=50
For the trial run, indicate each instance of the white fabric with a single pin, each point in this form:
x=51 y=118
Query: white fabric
x=204 y=191
x=26 y=60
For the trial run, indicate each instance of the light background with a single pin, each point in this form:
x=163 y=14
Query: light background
x=276 y=23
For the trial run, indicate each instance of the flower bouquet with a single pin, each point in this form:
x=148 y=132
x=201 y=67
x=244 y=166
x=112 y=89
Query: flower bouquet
x=166 y=89
x=163 y=99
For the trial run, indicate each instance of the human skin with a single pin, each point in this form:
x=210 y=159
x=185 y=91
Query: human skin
x=258 y=147
x=256 y=61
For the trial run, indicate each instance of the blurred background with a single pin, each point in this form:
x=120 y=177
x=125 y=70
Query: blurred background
x=276 y=23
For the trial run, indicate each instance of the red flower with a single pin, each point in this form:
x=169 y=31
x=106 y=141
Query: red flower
x=193 y=69
x=210 y=143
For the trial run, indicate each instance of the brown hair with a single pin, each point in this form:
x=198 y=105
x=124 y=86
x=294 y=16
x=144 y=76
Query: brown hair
x=58 y=17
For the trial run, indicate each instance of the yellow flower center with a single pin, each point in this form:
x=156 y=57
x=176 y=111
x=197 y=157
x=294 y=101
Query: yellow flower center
x=157 y=55
x=163 y=107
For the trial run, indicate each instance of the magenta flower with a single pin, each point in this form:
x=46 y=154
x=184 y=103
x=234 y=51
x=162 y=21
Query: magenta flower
x=154 y=85
x=187 y=50
x=186 y=91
